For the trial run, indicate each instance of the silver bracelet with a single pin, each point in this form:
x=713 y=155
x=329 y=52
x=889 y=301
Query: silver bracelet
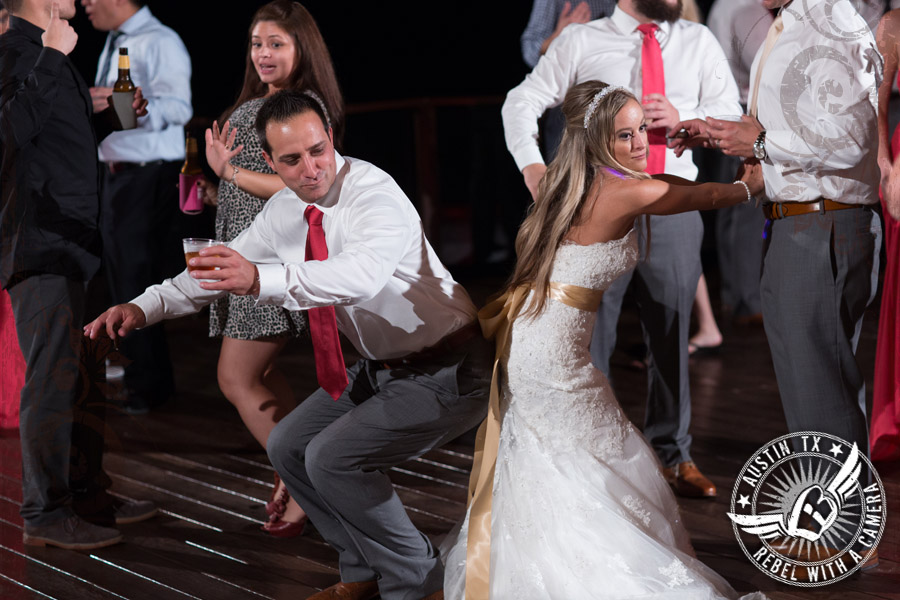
x=234 y=176
x=746 y=187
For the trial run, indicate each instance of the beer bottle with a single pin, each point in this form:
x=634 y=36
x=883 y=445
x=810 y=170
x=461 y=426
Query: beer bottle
x=188 y=198
x=123 y=92
x=191 y=164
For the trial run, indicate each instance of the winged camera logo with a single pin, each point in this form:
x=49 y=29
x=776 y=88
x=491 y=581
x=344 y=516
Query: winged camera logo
x=808 y=509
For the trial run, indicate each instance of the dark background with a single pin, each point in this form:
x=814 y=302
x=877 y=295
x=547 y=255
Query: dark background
x=381 y=50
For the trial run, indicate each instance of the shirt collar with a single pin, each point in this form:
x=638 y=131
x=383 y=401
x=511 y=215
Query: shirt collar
x=328 y=202
x=136 y=22
x=794 y=12
x=627 y=24
x=27 y=27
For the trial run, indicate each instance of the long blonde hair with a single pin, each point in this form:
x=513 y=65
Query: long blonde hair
x=564 y=189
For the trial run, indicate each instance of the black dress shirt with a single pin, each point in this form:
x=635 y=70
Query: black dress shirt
x=49 y=182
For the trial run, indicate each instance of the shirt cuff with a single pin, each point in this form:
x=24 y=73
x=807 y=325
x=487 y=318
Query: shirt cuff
x=272 y=278
x=687 y=115
x=152 y=307
x=527 y=156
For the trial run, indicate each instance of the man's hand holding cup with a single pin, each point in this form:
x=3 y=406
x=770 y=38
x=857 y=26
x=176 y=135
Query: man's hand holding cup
x=221 y=268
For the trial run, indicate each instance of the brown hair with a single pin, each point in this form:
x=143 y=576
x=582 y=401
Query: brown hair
x=313 y=70
x=281 y=107
x=563 y=191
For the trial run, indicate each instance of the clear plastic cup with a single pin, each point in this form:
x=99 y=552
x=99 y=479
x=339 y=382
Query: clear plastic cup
x=192 y=248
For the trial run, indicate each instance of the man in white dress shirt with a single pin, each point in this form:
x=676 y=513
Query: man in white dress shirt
x=698 y=82
x=814 y=90
x=139 y=194
x=425 y=376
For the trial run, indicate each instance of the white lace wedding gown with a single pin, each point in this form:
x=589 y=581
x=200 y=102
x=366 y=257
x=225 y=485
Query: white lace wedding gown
x=580 y=507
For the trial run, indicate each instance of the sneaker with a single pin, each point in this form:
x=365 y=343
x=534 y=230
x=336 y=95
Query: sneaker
x=72 y=533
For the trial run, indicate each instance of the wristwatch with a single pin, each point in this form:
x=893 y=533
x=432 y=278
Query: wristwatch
x=759 y=147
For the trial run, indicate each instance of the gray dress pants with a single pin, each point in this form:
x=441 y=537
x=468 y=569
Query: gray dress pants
x=334 y=457
x=665 y=283
x=739 y=241
x=820 y=272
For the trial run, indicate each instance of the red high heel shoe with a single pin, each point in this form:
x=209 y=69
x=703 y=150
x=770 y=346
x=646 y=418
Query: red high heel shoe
x=285 y=529
x=277 y=502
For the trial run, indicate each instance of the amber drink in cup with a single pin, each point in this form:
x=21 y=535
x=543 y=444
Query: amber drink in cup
x=192 y=248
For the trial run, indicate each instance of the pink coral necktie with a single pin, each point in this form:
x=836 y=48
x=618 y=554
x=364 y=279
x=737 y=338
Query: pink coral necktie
x=653 y=81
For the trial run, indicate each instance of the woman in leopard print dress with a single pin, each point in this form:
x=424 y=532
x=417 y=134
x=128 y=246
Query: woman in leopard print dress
x=285 y=50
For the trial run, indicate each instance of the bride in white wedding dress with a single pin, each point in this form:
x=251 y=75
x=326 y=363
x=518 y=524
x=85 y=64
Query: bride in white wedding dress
x=579 y=508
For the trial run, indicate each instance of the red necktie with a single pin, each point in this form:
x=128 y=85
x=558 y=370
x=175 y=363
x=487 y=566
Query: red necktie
x=653 y=81
x=330 y=369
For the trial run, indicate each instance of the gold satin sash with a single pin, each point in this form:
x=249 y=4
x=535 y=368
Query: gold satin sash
x=496 y=320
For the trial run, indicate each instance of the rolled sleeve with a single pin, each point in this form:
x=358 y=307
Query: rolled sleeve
x=541 y=24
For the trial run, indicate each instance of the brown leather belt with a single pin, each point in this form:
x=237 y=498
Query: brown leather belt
x=780 y=210
x=447 y=344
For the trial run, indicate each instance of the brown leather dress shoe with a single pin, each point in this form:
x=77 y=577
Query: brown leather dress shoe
x=357 y=590
x=687 y=480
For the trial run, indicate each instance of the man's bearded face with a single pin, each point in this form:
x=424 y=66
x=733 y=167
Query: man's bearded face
x=659 y=10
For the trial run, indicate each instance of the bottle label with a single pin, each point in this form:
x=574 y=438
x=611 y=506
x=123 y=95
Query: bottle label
x=122 y=103
x=124 y=62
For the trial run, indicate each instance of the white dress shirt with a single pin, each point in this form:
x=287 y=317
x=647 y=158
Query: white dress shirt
x=161 y=67
x=741 y=27
x=699 y=82
x=392 y=296
x=818 y=99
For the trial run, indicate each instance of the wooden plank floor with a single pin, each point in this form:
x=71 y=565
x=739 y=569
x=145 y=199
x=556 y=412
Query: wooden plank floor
x=197 y=461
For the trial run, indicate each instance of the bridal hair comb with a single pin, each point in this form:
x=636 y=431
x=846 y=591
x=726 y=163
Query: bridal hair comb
x=596 y=100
